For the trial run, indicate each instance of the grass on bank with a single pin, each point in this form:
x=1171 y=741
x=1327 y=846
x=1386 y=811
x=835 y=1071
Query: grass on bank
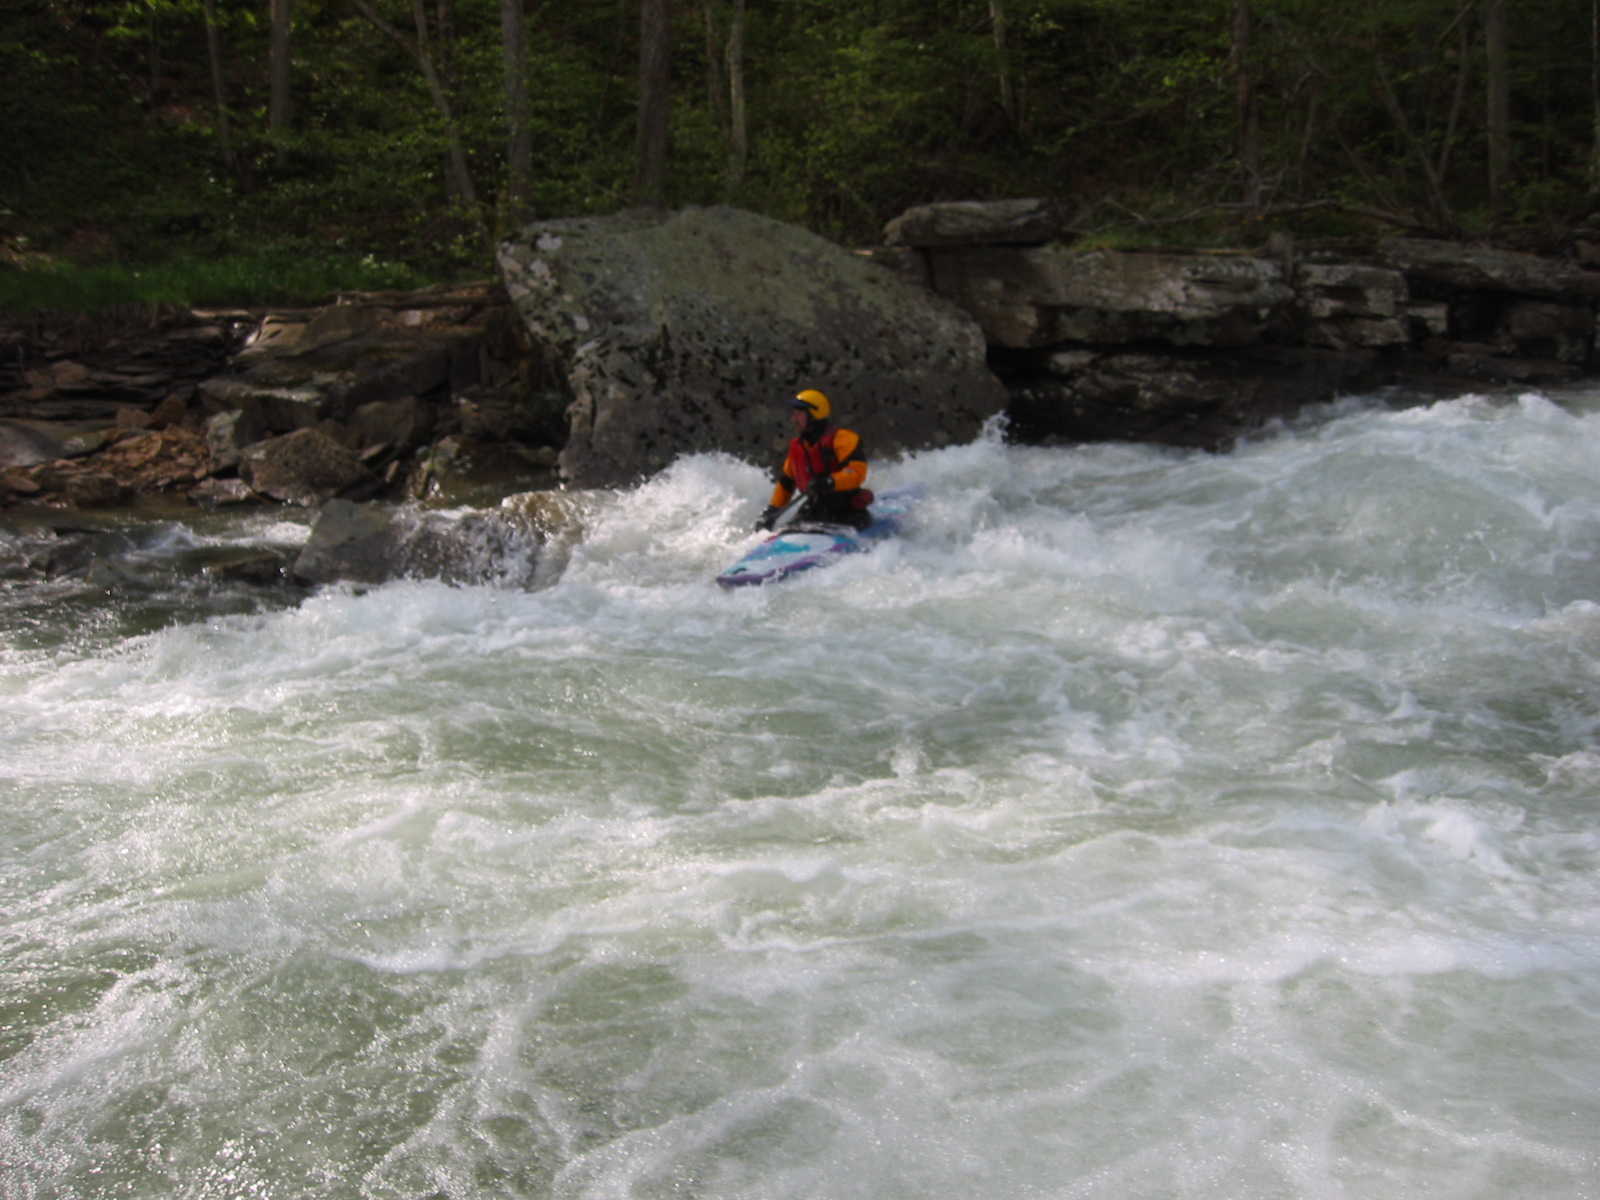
x=276 y=276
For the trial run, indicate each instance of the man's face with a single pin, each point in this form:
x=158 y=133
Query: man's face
x=798 y=418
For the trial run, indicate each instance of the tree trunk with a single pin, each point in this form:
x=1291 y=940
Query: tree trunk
x=655 y=100
x=716 y=52
x=461 y=186
x=156 y=84
x=1458 y=101
x=278 y=107
x=738 y=116
x=1440 y=213
x=218 y=90
x=519 y=143
x=1002 y=56
x=1499 y=96
x=1594 y=94
x=444 y=26
x=1248 y=132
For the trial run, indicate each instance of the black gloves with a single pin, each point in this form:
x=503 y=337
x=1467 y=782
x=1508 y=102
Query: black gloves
x=817 y=489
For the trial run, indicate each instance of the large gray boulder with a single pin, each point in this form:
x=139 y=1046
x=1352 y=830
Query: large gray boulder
x=680 y=332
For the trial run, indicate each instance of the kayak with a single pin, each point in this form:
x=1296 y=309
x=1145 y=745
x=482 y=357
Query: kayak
x=807 y=545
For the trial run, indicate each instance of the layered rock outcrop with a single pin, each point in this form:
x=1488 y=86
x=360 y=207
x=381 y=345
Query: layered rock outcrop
x=1193 y=348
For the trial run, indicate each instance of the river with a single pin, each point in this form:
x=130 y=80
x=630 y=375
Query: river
x=1140 y=824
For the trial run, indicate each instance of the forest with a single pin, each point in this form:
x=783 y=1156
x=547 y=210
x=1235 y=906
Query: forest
x=398 y=139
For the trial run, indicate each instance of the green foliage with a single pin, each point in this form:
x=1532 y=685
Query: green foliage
x=1124 y=110
x=278 y=276
x=1119 y=238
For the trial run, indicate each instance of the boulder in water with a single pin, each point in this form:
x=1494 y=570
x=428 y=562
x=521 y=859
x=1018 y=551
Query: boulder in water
x=373 y=543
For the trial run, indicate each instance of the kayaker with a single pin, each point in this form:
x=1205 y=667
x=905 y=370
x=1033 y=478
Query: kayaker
x=825 y=462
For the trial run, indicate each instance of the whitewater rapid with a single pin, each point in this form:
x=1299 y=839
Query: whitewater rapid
x=1142 y=823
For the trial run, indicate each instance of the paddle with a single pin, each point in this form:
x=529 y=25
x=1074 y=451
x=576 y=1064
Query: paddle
x=789 y=509
x=792 y=507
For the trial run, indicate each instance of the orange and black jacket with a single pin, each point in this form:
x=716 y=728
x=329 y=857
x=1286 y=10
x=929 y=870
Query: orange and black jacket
x=835 y=452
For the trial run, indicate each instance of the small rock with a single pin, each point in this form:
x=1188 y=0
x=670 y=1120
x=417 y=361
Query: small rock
x=304 y=467
x=975 y=223
x=23 y=444
x=218 y=493
x=260 y=567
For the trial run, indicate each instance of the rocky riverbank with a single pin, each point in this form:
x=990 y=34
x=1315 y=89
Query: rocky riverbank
x=608 y=346
x=393 y=395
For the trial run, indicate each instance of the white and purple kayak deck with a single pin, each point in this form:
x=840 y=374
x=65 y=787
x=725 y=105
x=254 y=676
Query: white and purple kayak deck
x=805 y=545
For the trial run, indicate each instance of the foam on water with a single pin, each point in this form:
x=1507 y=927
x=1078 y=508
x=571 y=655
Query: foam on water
x=1140 y=824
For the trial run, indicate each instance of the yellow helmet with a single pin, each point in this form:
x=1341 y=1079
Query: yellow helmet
x=813 y=402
